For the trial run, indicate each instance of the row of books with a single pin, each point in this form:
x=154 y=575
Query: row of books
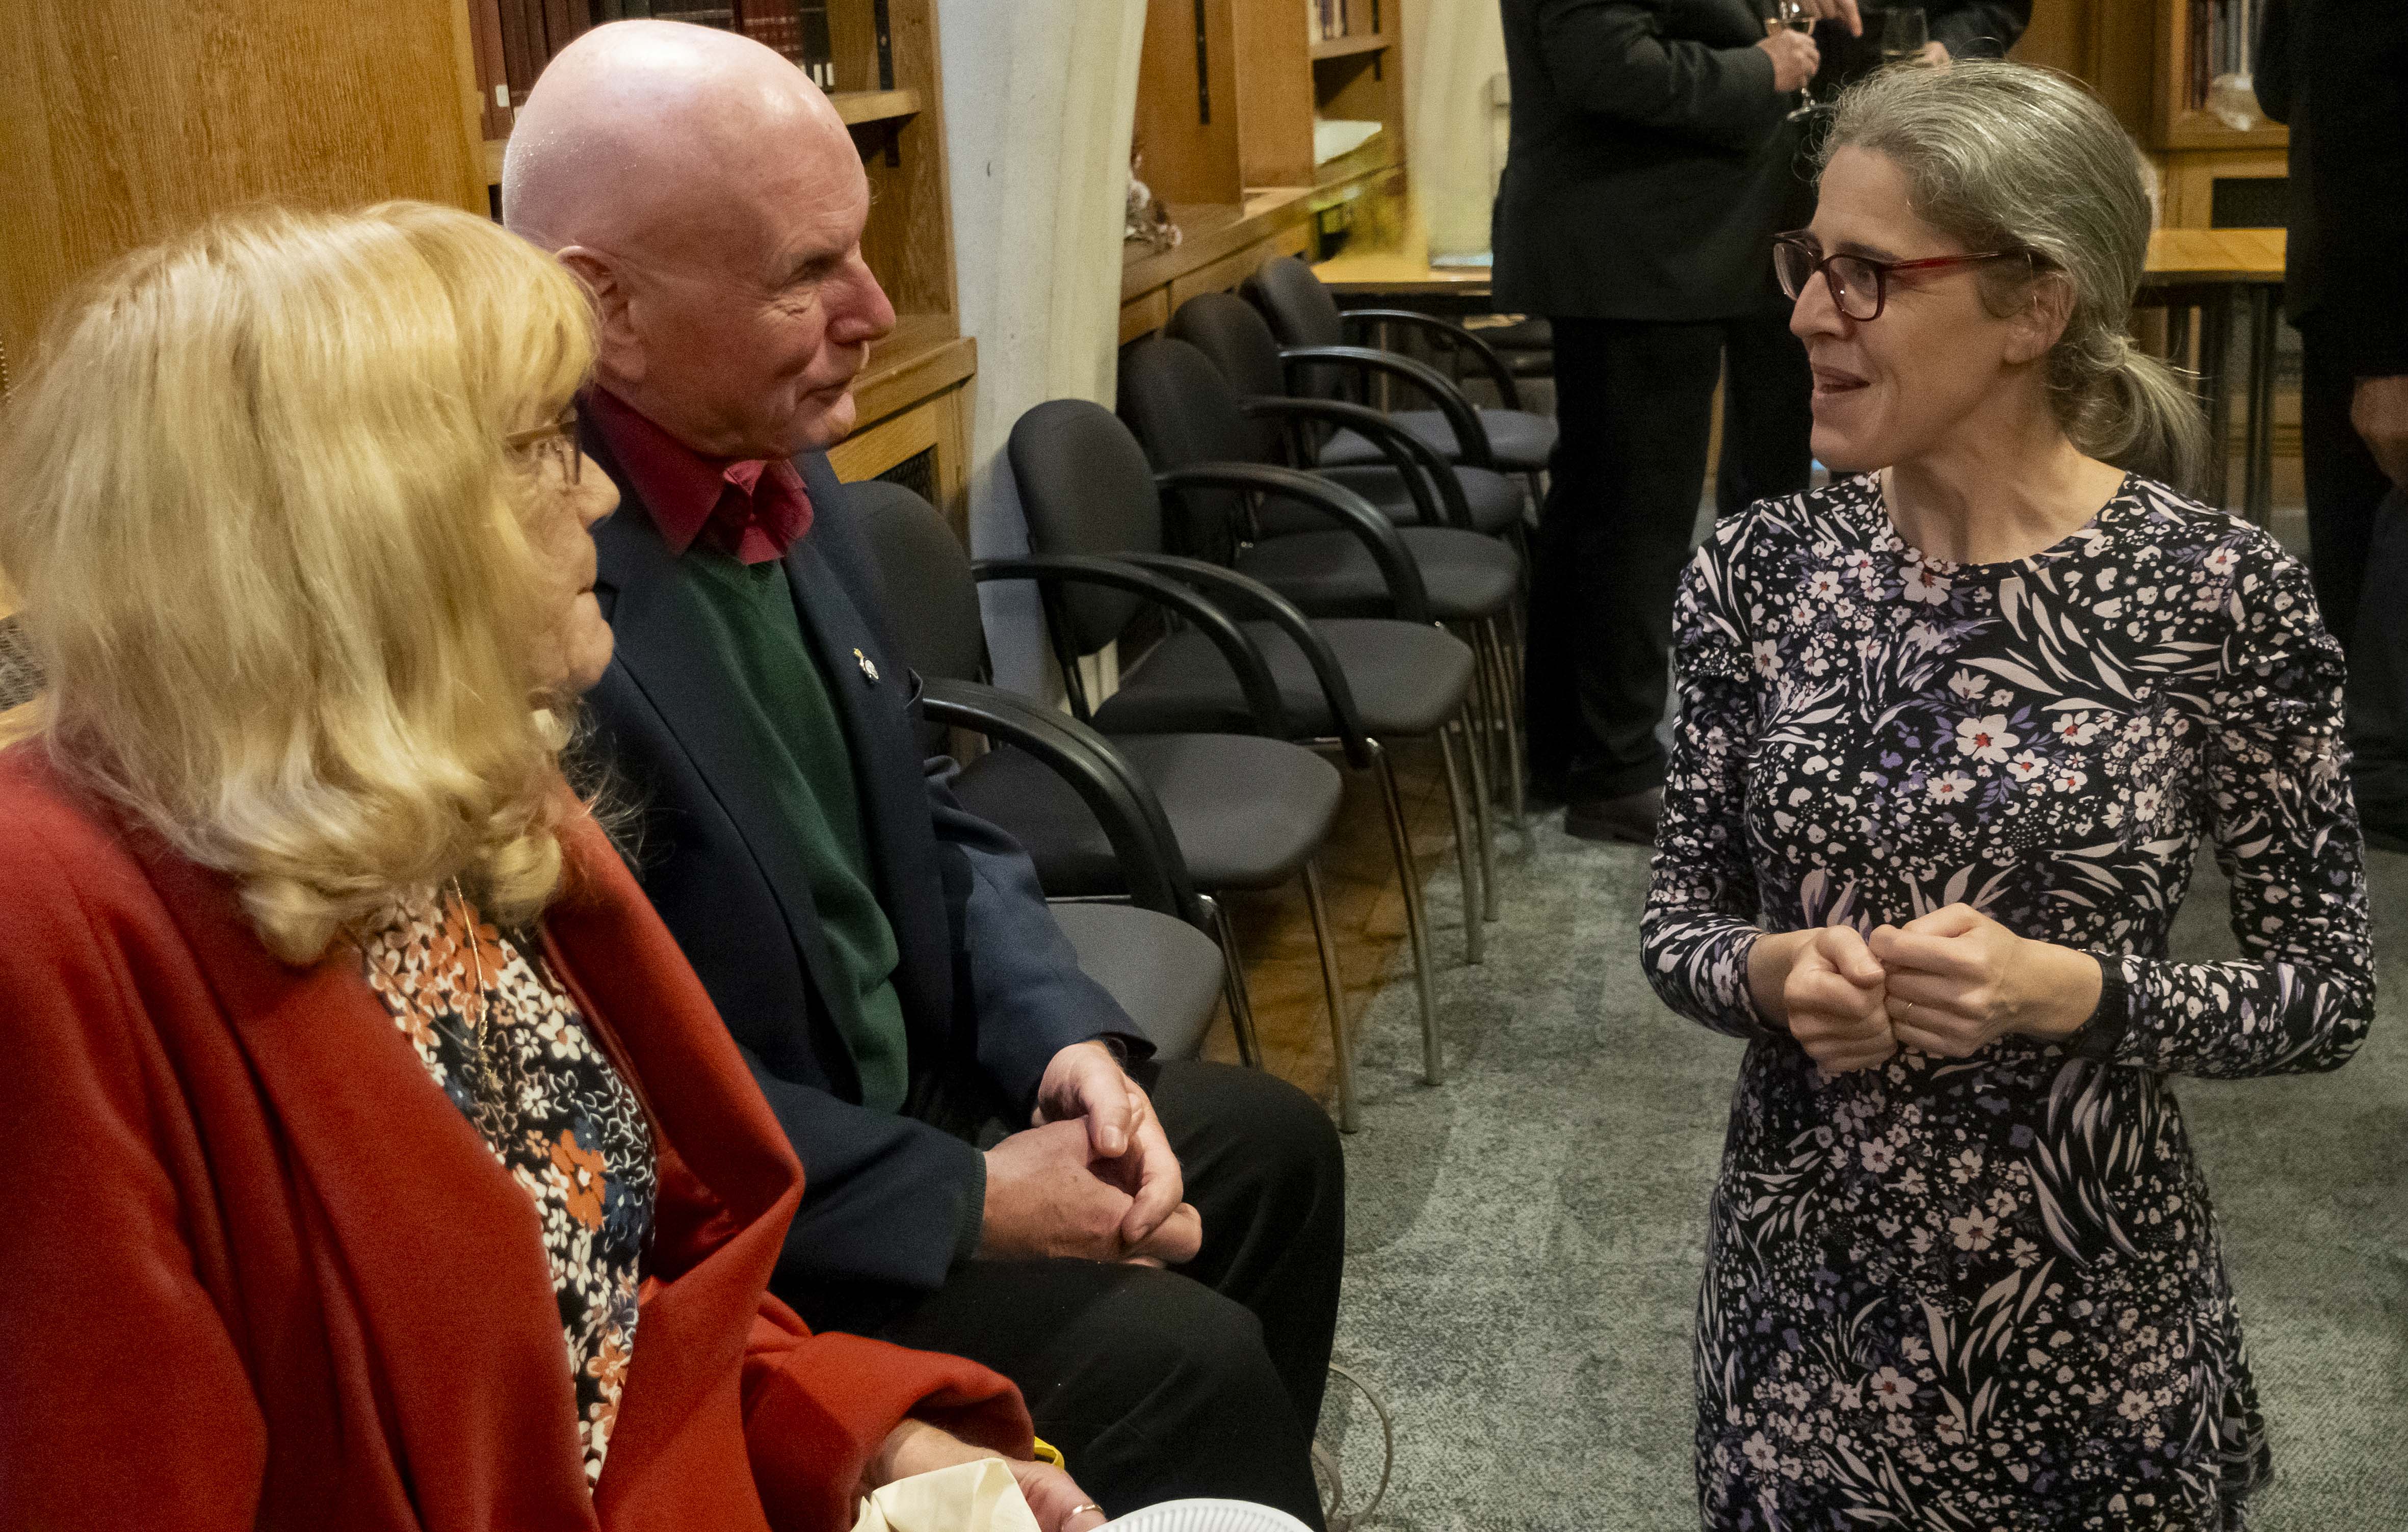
x=1325 y=20
x=516 y=38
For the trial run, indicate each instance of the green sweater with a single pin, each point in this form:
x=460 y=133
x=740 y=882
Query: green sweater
x=746 y=613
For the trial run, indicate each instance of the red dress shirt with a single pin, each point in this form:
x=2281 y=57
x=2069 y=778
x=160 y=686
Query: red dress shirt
x=752 y=509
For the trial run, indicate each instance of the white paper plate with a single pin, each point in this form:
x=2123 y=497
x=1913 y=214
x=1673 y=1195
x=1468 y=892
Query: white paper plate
x=1206 y=1516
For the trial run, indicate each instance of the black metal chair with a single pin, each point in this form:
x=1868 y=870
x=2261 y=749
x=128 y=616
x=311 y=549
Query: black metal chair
x=1194 y=425
x=1245 y=811
x=1237 y=341
x=1315 y=331
x=1234 y=337
x=1345 y=684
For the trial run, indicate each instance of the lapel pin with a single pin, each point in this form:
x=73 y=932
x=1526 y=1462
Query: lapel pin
x=868 y=667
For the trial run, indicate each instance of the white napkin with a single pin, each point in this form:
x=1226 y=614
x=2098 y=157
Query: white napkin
x=980 y=1496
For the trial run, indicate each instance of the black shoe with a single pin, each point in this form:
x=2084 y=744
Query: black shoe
x=1630 y=818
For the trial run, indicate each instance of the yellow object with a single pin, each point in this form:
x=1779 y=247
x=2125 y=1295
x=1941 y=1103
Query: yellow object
x=1047 y=1452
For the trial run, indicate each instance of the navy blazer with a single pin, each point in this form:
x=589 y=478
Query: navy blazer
x=991 y=989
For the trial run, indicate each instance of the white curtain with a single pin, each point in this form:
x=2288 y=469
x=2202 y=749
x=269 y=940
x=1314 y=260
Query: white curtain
x=1454 y=126
x=1040 y=98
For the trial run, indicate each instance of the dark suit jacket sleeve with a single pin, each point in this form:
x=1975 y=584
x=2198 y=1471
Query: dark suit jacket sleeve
x=2351 y=75
x=891 y=1198
x=1613 y=59
x=1985 y=29
x=2271 y=73
x=1029 y=995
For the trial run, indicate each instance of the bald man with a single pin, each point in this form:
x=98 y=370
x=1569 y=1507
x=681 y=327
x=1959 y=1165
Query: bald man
x=886 y=961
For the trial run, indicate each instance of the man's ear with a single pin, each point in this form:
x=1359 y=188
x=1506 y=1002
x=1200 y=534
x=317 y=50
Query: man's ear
x=2048 y=308
x=619 y=348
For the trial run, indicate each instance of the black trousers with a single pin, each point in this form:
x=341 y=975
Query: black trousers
x=1160 y=1385
x=2344 y=484
x=2378 y=683
x=1634 y=404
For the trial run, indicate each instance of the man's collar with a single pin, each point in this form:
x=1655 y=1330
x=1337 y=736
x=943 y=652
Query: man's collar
x=678 y=485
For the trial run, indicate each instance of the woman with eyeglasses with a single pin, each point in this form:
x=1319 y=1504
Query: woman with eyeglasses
x=1950 y=732
x=375 y=1161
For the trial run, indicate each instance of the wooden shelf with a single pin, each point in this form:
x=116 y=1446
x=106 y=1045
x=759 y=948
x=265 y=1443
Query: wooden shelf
x=1377 y=152
x=860 y=107
x=1208 y=231
x=1347 y=48
x=925 y=356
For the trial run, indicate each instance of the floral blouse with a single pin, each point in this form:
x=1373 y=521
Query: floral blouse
x=554 y=1113
x=1987 y=1291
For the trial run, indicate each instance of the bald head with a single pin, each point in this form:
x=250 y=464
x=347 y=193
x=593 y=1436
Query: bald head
x=713 y=202
x=637 y=124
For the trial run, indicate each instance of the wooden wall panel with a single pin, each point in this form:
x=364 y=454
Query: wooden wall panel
x=1188 y=159
x=126 y=120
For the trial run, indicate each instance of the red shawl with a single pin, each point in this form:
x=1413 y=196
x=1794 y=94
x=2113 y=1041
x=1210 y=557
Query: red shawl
x=257 y=1271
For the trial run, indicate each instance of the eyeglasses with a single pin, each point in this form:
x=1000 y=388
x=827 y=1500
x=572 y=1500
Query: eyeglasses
x=556 y=440
x=1859 y=285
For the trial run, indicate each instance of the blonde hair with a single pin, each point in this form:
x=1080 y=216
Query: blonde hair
x=2007 y=156
x=256 y=499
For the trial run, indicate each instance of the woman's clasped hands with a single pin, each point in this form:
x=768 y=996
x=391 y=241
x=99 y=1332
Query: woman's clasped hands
x=1947 y=983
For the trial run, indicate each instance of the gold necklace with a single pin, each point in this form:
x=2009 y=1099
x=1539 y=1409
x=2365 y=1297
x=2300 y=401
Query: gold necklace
x=487 y=1076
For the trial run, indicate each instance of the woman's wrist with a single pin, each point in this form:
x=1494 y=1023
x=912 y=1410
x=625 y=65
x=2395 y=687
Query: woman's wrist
x=2061 y=989
x=916 y=1447
x=1770 y=958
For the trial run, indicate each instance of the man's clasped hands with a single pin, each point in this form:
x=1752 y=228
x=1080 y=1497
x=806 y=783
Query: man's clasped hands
x=1949 y=983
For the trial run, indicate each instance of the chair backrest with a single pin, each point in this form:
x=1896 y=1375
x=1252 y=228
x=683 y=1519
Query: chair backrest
x=1185 y=412
x=1085 y=487
x=1301 y=310
x=1233 y=336
x=20 y=677
x=923 y=580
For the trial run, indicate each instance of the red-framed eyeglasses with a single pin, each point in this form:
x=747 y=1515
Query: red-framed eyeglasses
x=1858 y=284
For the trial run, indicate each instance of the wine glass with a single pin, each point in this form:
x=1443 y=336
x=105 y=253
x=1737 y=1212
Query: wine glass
x=1905 y=34
x=1798 y=16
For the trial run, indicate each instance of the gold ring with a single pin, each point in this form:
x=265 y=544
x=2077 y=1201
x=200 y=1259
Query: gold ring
x=1077 y=1510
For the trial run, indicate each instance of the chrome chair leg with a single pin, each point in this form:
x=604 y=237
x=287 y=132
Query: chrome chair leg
x=1514 y=766
x=1417 y=920
x=1334 y=992
x=1487 y=832
x=1475 y=935
x=1233 y=986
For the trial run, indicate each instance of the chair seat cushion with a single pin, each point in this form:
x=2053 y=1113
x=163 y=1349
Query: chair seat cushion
x=1332 y=574
x=1495 y=501
x=1520 y=440
x=1246 y=811
x=1407 y=680
x=1163 y=972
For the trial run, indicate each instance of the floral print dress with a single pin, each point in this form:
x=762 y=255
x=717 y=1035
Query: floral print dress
x=548 y=1103
x=1988 y=1293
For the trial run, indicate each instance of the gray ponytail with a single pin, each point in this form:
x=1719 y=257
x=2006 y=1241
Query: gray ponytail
x=2004 y=155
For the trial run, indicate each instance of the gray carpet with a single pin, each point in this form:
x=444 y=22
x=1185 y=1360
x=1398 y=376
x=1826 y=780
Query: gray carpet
x=1525 y=1241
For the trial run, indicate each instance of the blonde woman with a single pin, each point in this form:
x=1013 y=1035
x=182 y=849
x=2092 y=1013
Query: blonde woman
x=1951 y=731
x=375 y=1160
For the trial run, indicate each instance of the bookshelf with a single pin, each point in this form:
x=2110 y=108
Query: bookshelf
x=1236 y=95
x=877 y=61
x=1255 y=120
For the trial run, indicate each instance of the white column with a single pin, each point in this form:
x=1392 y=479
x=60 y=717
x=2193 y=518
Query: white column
x=1040 y=98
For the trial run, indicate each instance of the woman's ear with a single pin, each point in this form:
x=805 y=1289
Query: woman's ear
x=2048 y=308
x=618 y=347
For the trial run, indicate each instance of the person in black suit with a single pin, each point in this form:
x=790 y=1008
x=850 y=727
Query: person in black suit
x=2337 y=72
x=1652 y=156
x=1960 y=29
x=885 y=960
